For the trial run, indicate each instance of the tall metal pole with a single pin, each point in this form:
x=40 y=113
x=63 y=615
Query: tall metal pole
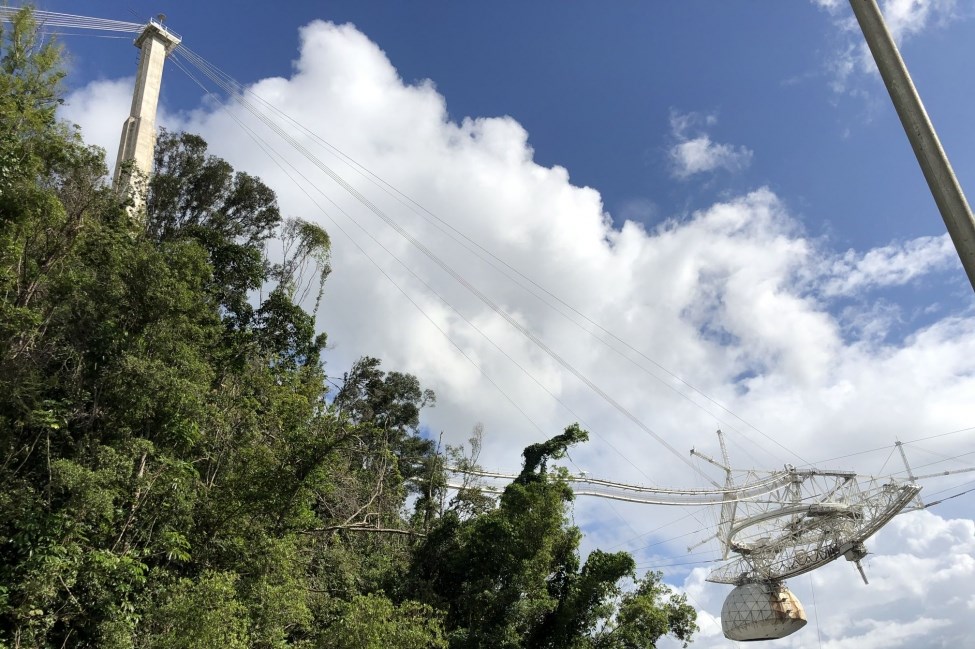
x=931 y=156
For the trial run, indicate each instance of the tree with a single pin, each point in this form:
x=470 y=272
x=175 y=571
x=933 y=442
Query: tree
x=139 y=393
x=386 y=406
x=374 y=622
x=305 y=247
x=172 y=470
x=512 y=576
x=646 y=614
x=49 y=187
x=231 y=214
x=202 y=613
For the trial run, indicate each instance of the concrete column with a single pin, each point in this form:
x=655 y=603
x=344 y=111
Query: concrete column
x=134 y=162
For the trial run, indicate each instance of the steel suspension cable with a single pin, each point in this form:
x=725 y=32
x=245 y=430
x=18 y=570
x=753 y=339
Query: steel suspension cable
x=417 y=208
x=460 y=279
x=57 y=19
x=561 y=402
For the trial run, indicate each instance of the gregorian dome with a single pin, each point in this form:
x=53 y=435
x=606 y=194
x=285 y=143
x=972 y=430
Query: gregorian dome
x=761 y=611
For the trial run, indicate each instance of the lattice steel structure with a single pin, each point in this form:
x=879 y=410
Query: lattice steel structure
x=815 y=518
x=773 y=525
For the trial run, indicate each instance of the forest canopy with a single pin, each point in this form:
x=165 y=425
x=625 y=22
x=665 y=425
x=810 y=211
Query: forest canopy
x=174 y=470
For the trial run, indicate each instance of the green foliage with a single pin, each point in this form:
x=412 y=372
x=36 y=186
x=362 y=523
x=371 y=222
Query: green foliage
x=387 y=401
x=30 y=76
x=201 y=613
x=306 y=246
x=375 y=622
x=511 y=576
x=196 y=196
x=173 y=472
x=285 y=333
x=537 y=455
x=512 y=564
x=386 y=409
x=647 y=613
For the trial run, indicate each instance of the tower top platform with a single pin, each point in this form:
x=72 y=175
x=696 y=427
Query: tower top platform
x=154 y=29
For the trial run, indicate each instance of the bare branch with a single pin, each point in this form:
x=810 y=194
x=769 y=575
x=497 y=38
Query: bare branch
x=359 y=527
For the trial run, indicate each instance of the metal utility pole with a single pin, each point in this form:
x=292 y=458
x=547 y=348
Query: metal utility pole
x=134 y=162
x=931 y=156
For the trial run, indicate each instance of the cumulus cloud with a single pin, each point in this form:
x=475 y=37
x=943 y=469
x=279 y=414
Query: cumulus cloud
x=94 y=107
x=695 y=153
x=734 y=298
x=101 y=98
x=906 y=18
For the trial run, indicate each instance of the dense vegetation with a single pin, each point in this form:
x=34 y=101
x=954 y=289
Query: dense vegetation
x=173 y=472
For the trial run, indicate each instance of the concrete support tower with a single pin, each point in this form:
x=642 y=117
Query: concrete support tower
x=134 y=162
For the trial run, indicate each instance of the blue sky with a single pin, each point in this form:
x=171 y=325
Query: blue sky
x=594 y=87
x=723 y=184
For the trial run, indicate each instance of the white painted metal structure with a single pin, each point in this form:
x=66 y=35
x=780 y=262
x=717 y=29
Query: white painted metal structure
x=761 y=611
x=772 y=526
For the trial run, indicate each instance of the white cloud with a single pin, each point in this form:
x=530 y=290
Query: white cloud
x=892 y=265
x=905 y=20
x=701 y=154
x=89 y=106
x=698 y=153
x=100 y=108
x=734 y=298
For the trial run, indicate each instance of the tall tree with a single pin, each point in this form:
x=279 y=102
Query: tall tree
x=173 y=472
x=513 y=577
x=231 y=214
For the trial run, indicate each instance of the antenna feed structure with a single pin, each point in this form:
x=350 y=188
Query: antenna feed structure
x=761 y=610
x=773 y=525
x=855 y=552
x=817 y=517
